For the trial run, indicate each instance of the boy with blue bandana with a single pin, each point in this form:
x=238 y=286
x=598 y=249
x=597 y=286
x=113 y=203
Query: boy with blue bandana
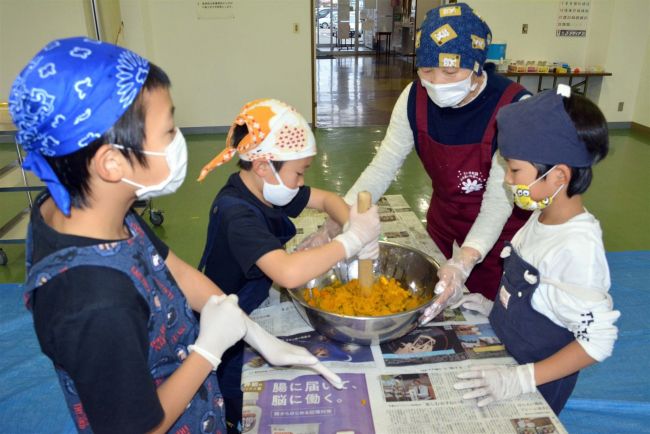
x=553 y=311
x=112 y=305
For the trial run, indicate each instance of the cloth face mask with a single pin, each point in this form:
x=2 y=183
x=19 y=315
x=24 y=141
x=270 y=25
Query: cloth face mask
x=521 y=195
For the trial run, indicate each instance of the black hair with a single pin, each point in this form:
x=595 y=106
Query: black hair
x=128 y=131
x=591 y=126
x=240 y=132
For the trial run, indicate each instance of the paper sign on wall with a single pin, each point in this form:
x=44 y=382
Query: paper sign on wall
x=572 y=18
x=206 y=9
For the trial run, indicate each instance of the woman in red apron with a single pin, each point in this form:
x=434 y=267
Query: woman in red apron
x=448 y=116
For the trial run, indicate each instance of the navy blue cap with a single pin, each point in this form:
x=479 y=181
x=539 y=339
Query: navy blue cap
x=452 y=36
x=539 y=130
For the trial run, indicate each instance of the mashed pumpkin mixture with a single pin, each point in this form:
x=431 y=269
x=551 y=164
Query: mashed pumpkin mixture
x=387 y=297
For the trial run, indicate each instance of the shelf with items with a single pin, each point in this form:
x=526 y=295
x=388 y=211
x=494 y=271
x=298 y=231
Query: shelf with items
x=13 y=178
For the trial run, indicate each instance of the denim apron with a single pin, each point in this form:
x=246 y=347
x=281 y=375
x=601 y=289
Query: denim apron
x=172 y=324
x=528 y=335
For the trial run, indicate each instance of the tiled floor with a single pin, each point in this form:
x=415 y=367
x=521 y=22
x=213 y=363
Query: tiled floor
x=359 y=91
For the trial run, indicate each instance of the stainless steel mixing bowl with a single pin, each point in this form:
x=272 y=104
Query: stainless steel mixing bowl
x=412 y=268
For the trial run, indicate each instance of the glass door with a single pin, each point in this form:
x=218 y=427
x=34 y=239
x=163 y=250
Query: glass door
x=344 y=27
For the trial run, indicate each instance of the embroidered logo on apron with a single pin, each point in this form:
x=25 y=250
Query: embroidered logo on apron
x=470 y=181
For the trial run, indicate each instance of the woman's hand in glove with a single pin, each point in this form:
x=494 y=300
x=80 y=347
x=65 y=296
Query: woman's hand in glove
x=452 y=276
x=320 y=237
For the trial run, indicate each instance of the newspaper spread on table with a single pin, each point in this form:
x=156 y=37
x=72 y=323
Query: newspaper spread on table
x=405 y=385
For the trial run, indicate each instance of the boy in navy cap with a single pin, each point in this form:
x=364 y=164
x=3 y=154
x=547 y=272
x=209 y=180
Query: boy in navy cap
x=553 y=311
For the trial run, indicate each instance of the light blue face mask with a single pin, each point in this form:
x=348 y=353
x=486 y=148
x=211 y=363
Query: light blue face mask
x=278 y=194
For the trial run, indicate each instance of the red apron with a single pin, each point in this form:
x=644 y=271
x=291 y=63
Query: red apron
x=458 y=177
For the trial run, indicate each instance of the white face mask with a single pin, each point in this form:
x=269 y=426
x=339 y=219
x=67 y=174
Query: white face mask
x=278 y=194
x=176 y=156
x=449 y=94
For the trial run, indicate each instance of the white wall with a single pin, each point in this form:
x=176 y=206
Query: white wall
x=27 y=25
x=421 y=9
x=505 y=18
x=642 y=109
x=626 y=53
x=617 y=36
x=217 y=65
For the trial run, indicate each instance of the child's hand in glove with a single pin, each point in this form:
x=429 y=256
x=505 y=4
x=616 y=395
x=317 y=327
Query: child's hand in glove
x=280 y=353
x=222 y=325
x=476 y=302
x=361 y=229
x=493 y=383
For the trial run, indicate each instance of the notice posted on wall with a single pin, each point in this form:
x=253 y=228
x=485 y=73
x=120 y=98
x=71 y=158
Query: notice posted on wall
x=572 y=18
x=210 y=9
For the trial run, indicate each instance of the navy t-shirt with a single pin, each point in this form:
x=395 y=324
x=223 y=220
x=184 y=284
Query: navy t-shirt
x=93 y=322
x=242 y=237
x=466 y=124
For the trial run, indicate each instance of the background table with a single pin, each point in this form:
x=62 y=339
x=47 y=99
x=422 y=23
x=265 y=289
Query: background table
x=579 y=87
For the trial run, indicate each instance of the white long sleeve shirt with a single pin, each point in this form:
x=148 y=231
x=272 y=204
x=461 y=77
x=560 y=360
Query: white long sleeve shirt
x=574 y=279
x=496 y=206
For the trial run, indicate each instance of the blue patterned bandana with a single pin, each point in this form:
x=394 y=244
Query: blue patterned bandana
x=68 y=95
x=452 y=36
x=539 y=130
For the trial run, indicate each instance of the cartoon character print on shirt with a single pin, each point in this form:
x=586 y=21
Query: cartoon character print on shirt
x=181 y=352
x=208 y=422
x=108 y=249
x=470 y=181
x=156 y=260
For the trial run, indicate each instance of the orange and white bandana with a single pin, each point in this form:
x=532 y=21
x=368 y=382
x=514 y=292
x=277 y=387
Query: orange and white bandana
x=276 y=131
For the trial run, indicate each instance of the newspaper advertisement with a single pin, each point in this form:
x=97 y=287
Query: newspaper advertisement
x=404 y=385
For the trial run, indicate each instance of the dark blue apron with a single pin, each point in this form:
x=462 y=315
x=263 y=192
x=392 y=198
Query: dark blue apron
x=528 y=335
x=251 y=295
x=172 y=324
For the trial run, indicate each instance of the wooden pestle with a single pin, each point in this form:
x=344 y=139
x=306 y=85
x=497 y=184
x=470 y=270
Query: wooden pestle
x=366 y=279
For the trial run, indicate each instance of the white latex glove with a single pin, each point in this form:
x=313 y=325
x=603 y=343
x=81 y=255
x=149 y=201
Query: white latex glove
x=452 y=276
x=322 y=236
x=280 y=353
x=493 y=383
x=222 y=325
x=370 y=250
x=363 y=229
x=476 y=302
